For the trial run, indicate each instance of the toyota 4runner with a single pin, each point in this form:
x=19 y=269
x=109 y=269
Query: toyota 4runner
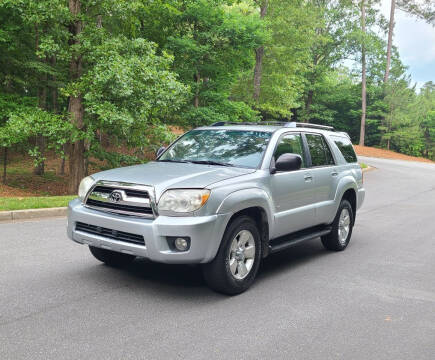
x=224 y=196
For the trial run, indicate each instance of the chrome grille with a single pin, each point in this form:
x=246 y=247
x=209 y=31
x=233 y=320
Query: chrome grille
x=121 y=198
x=109 y=233
x=129 y=192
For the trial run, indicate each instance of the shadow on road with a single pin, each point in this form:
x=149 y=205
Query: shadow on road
x=291 y=258
x=186 y=281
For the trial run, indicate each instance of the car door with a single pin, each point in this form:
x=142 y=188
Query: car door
x=292 y=191
x=325 y=176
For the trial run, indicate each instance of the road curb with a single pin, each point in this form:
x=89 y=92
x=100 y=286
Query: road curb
x=32 y=214
x=368 y=168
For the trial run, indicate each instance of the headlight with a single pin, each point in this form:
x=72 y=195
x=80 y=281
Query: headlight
x=183 y=200
x=84 y=187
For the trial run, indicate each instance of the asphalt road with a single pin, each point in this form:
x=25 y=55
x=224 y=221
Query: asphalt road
x=376 y=300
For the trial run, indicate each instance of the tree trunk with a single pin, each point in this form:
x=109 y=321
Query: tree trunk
x=308 y=105
x=77 y=149
x=390 y=40
x=54 y=88
x=259 y=54
x=99 y=21
x=196 y=99
x=62 y=163
x=54 y=97
x=39 y=169
x=75 y=106
x=5 y=163
x=363 y=77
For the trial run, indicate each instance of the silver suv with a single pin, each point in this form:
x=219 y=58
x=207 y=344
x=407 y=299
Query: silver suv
x=224 y=196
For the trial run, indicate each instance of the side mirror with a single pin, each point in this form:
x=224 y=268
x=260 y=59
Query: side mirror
x=160 y=151
x=287 y=162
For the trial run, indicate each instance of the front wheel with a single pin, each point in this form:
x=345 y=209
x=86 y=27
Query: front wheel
x=236 y=264
x=111 y=258
x=339 y=237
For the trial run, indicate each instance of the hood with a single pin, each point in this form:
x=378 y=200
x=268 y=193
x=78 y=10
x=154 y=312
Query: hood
x=165 y=175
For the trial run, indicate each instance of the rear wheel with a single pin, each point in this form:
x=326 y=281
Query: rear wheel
x=111 y=258
x=339 y=237
x=236 y=264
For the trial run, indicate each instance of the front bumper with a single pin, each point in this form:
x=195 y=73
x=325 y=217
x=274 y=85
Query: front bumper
x=205 y=233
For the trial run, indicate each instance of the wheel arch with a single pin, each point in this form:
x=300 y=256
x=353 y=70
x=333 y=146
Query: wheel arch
x=258 y=214
x=347 y=189
x=254 y=203
x=350 y=195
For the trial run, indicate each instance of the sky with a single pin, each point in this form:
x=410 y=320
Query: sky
x=415 y=40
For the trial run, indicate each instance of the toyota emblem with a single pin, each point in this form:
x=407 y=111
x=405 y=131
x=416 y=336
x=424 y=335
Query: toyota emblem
x=115 y=196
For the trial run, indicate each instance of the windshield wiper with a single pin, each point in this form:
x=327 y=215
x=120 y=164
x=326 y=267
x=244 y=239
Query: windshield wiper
x=210 y=162
x=177 y=161
x=205 y=162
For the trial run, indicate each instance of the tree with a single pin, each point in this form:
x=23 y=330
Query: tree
x=88 y=78
x=75 y=47
x=23 y=120
x=423 y=113
x=335 y=24
x=259 y=53
x=422 y=9
x=398 y=97
x=363 y=74
x=212 y=46
x=390 y=40
x=285 y=56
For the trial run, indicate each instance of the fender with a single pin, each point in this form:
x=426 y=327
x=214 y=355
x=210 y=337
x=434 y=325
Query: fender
x=345 y=183
x=246 y=198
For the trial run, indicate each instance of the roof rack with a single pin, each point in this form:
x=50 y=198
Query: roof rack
x=308 y=125
x=277 y=123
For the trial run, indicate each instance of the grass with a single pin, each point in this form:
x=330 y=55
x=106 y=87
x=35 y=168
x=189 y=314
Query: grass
x=363 y=166
x=22 y=203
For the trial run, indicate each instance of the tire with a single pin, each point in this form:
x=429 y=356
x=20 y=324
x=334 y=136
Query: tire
x=226 y=273
x=339 y=237
x=111 y=258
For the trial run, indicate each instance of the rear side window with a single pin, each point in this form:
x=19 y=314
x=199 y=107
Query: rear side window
x=292 y=144
x=319 y=150
x=346 y=148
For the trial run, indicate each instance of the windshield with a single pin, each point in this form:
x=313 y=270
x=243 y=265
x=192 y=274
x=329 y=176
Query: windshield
x=219 y=147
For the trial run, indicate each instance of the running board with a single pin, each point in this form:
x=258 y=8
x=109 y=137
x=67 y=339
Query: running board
x=287 y=241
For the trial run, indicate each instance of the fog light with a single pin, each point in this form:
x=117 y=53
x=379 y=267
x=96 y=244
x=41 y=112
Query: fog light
x=178 y=243
x=181 y=244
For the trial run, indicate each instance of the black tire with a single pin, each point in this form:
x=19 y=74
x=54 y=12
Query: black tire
x=332 y=240
x=217 y=273
x=111 y=258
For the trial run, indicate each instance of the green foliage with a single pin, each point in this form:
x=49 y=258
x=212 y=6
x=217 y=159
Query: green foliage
x=288 y=37
x=147 y=65
x=212 y=45
x=129 y=90
x=22 y=203
x=24 y=122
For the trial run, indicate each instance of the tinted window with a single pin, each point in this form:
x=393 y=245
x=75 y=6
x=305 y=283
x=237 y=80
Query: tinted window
x=291 y=144
x=235 y=147
x=346 y=148
x=319 y=150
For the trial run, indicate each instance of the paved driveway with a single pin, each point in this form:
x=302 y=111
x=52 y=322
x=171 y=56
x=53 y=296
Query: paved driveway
x=376 y=300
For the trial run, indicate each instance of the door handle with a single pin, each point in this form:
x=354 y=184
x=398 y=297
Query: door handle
x=308 y=177
x=334 y=173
